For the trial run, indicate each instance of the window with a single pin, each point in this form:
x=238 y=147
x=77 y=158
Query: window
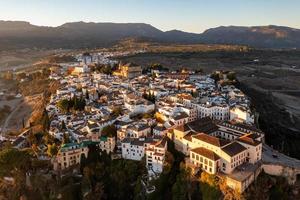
x=193 y=155
x=201 y=159
x=205 y=161
x=197 y=157
x=210 y=163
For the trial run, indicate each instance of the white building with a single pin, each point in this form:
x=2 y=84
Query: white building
x=137 y=105
x=81 y=69
x=155 y=156
x=107 y=144
x=134 y=148
x=240 y=114
x=138 y=130
x=219 y=112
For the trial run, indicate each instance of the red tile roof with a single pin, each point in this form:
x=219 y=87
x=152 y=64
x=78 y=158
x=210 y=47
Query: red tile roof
x=206 y=153
x=211 y=139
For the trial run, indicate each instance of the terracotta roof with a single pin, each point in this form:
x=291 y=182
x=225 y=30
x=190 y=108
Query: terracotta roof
x=189 y=136
x=162 y=143
x=185 y=96
x=131 y=96
x=206 y=153
x=182 y=128
x=234 y=148
x=211 y=140
x=249 y=139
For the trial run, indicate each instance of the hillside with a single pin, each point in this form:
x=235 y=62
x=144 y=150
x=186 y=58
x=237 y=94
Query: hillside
x=17 y=34
x=256 y=36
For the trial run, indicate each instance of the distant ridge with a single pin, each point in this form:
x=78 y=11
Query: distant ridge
x=19 y=34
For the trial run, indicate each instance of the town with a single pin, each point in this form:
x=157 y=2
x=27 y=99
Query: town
x=133 y=115
x=166 y=100
x=103 y=108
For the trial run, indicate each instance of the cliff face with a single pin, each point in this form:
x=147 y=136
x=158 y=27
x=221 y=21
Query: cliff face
x=275 y=122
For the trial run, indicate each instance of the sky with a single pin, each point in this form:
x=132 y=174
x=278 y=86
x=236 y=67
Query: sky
x=186 y=15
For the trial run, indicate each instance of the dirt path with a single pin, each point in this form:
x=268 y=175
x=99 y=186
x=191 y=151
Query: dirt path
x=6 y=122
x=22 y=111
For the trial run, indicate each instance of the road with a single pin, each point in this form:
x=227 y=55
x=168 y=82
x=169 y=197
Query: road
x=6 y=122
x=17 y=67
x=28 y=101
x=278 y=158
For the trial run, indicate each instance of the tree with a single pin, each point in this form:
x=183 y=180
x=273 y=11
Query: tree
x=138 y=190
x=231 y=76
x=98 y=192
x=45 y=120
x=194 y=93
x=209 y=186
x=82 y=162
x=147 y=116
x=79 y=104
x=48 y=139
x=87 y=96
x=46 y=72
x=144 y=95
x=64 y=105
x=180 y=189
x=32 y=139
x=150 y=96
x=116 y=111
x=76 y=104
x=215 y=76
x=15 y=163
x=63 y=125
x=109 y=130
x=13 y=160
x=178 y=87
x=66 y=138
x=52 y=150
x=23 y=122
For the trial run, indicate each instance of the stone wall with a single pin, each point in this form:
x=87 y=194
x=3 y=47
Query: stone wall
x=280 y=170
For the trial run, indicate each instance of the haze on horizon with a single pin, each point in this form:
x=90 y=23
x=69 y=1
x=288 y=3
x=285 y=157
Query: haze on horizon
x=191 y=16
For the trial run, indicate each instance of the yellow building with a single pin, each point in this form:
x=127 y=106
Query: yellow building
x=70 y=154
x=128 y=70
x=107 y=143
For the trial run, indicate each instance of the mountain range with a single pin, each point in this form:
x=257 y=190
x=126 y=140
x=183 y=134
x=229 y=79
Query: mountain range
x=19 y=34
